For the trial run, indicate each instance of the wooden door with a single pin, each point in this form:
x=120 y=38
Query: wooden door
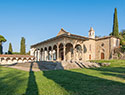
x=89 y=57
x=102 y=55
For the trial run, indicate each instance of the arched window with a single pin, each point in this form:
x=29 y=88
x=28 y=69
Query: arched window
x=78 y=48
x=78 y=52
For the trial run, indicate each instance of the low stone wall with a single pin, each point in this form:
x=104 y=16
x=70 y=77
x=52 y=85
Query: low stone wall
x=11 y=59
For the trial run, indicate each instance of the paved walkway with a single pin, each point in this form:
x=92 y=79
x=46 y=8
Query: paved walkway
x=23 y=68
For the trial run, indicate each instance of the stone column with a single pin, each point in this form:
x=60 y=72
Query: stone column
x=44 y=58
x=45 y=55
x=52 y=54
x=82 y=53
x=64 y=52
x=74 y=57
x=57 y=53
x=38 y=55
x=35 y=55
x=41 y=55
x=31 y=52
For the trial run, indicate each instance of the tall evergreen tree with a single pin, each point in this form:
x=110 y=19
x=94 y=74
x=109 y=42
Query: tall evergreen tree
x=23 y=47
x=115 y=31
x=10 y=50
x=2 y=39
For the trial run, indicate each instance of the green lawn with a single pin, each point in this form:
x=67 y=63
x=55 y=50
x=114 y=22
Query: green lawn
x=95 y=81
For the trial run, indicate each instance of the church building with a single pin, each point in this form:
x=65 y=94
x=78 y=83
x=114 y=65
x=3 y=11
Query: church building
x=70 y=47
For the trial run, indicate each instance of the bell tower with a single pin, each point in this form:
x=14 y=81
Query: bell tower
x=91 y=33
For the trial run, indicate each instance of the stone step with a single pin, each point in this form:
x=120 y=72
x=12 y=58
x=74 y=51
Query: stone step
x=44 y=65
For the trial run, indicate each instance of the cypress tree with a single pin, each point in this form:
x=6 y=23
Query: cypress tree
x=10 y=50
x=23 y=47
x=115 y=31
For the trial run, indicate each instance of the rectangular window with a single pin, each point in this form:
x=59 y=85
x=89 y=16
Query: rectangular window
x=117 y=43
x=89 y=47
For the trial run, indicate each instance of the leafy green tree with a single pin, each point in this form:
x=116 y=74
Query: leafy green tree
x=2 y=39
x=122 y=37
x=115 y=31
x=23 y=47
x=10 y=50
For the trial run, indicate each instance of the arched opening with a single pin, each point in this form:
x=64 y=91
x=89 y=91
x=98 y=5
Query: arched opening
x=8 y=60
x=36 y=55
x=14 y=60
x=78 y=52
x=3 y=60
x=45 y=48
x=54 y=52
x=69 y=51
x=61 y=52
x=50 y=53
x=102 y=55
x=42 y=54
x=24 y=60
x=29 y=59
x=45 y=54
x=19 y=60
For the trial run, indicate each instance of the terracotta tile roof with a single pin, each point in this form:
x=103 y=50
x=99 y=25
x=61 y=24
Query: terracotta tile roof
x=69 y=35
x=106 y=37
x=63 y=35
x=14 y=55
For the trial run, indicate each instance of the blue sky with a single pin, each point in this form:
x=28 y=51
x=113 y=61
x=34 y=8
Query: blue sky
x=38 y=20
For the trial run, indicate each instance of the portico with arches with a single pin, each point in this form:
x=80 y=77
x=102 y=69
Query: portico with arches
x=70 y=47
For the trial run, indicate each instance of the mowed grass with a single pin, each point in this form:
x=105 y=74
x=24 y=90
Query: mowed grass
x=95 y=81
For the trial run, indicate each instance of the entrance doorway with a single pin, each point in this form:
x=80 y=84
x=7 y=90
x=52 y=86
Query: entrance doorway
x=62 y=56
x=61 y=52
x=102 y=55
x=89 y=57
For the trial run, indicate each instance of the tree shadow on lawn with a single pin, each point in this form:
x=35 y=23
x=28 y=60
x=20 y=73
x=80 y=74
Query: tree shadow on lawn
x=112 y=71
x=116 y=75
x=32 y=88
x=80 y=84
x=10 y=80
x=11 y=83
x=76 y=83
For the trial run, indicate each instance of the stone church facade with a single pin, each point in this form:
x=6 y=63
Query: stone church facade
x=66 y=47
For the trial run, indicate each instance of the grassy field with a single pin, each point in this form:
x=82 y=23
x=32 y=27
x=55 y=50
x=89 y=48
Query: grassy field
x=95 y=81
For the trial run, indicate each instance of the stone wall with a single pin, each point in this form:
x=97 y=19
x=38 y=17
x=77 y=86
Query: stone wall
x=102 y=46
x=11 y=59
